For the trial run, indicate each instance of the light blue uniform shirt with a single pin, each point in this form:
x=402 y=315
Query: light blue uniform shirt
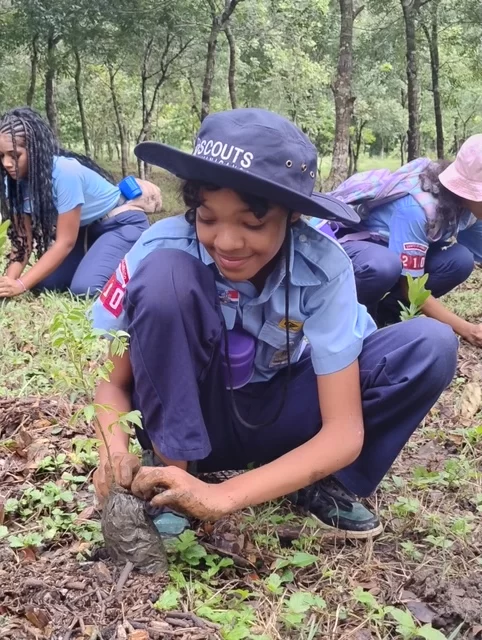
x=402 y=224
x=74 y=185
x=323 y=303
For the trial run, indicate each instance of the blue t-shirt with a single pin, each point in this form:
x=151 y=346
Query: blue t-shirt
x=403 y=225
x=74 y=185
x=323 y=302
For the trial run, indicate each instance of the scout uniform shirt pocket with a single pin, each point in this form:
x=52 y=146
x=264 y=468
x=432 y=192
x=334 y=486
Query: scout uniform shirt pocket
x=273 y=343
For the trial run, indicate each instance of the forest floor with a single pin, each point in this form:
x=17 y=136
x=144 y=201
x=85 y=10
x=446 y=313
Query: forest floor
x=264 y=573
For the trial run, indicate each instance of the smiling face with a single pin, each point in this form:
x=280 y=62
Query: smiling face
x=14 y=158
x=240 y=244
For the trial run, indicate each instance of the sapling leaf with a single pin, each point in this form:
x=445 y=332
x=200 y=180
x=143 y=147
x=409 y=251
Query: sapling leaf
x=168 y=600
x=89 y=412
x=429 y=633
x=407 y=625
x=417 y=296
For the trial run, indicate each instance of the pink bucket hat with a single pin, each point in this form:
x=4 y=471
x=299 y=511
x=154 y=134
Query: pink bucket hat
x=464 y=176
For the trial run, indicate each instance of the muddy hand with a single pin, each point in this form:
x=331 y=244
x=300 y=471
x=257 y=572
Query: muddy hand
x=125 y=466
x=175 y=488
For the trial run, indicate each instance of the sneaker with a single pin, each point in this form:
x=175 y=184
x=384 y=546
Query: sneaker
x=333 y=506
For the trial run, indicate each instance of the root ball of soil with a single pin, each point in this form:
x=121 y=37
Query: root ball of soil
x=130 y=535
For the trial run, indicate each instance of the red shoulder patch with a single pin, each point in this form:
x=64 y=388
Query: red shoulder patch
x=112 y=296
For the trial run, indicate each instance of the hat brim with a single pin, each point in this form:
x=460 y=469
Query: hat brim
x=190 y=167
x=453 y=181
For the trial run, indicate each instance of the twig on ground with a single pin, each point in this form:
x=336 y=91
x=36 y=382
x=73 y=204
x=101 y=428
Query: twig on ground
x=123 y=576
x=199 y=622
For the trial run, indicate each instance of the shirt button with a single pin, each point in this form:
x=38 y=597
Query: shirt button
x=303 y=238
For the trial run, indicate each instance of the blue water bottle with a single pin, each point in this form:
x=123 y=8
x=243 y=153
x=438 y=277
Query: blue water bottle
x=130 y=188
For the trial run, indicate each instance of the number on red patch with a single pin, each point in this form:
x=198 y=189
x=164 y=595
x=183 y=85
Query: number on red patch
x=112 y=296
x=414 y=263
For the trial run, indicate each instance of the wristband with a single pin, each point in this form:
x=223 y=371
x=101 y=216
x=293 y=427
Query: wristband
x=21 y=282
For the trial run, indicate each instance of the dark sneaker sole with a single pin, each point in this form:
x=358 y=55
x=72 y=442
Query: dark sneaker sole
x=350 y=535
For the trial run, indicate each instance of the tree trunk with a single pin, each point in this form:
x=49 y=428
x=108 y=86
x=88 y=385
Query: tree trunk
x=209 y=71
x=80 y=102
x=351 y=159
x=410 y=13
x=343 y=97
x=33 y=72
x=120 y=124
x=232 y=67
x=356 y=148
x=219 y=22
x=456 y=147
x=51 y=72
x=432 y=39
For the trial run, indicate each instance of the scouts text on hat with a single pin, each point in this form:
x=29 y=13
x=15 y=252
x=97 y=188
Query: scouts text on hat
x=252 y=151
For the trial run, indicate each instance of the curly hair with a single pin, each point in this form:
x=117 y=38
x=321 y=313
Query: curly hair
x=449 y=207
x=27 y=128
x=191 y=192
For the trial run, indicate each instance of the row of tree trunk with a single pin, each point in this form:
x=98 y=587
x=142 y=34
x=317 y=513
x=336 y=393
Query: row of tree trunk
x=151 y=81
x=345 y=151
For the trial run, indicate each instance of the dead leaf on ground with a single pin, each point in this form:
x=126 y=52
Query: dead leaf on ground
x=102 y=573
x=86 y=514
x=28 y=555
x=421 y=612
x=38 y=617
x=470 y=400
x=22 y=441
x=363 y=634
x=121 y=633
x=140 y=634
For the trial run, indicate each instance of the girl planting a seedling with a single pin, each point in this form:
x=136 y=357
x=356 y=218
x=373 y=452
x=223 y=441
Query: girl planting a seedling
x=248 y=346
x=63 y=206
x=409 y=220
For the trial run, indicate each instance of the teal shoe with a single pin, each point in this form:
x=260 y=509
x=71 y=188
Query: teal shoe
x=336 y=508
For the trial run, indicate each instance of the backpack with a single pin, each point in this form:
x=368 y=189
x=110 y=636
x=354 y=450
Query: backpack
x=370 y=189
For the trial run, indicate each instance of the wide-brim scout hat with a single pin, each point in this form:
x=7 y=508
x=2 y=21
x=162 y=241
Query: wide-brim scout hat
x=252 y=151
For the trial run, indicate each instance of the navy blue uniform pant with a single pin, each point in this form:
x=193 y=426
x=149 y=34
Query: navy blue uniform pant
x=175 y=325
x=378 y=270
x=96 y=255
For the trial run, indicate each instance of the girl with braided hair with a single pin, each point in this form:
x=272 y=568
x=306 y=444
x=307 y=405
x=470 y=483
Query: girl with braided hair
x=63 y=207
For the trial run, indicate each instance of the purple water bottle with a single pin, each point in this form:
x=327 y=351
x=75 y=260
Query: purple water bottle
x=242 y=351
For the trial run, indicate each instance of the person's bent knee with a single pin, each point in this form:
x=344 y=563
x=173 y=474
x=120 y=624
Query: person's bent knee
x=389 y=271
x=168 y=276
x=375 y=278
x=437 y=348
x=464 y=263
